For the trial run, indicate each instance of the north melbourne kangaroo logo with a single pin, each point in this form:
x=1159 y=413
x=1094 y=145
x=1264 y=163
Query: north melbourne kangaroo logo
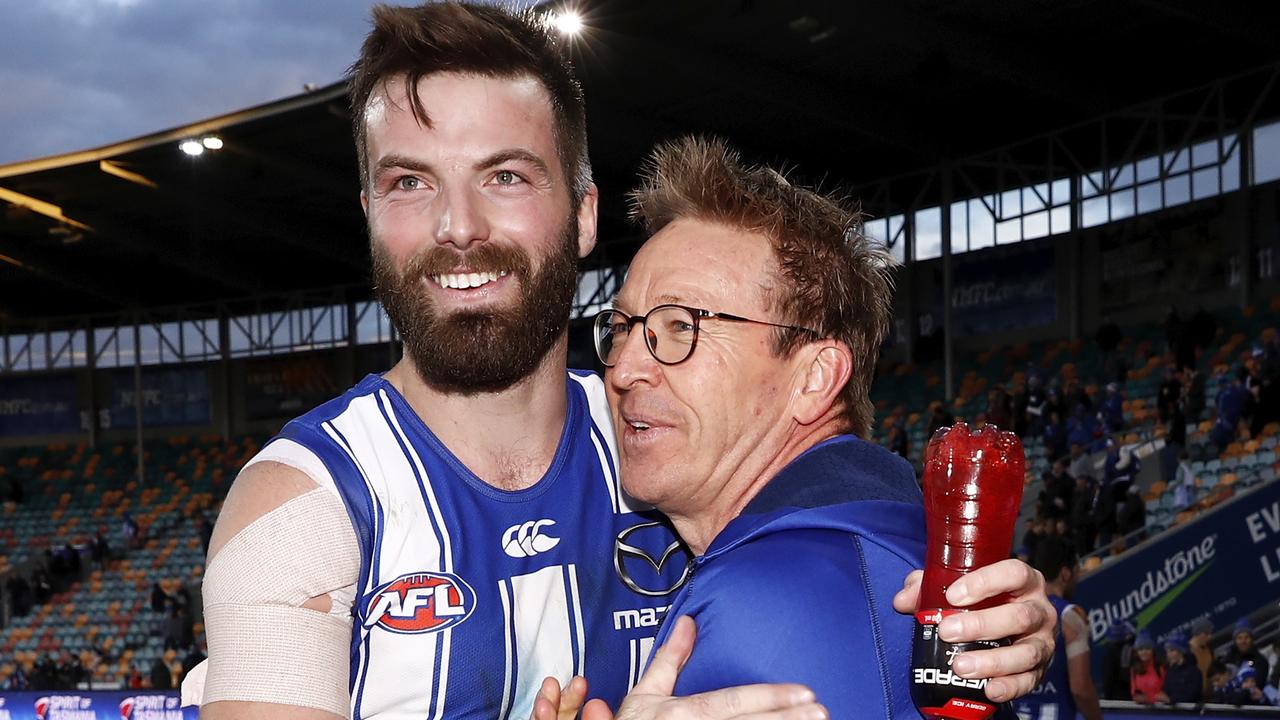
x=526 y=539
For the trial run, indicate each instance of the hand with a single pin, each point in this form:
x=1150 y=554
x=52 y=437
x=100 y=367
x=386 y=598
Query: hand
x=552 y=704
x=1028 y=618
x=651 y=698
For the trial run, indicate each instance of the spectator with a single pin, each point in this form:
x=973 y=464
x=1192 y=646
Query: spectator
x=173 y=630
x=938 y=418
x=1037 y=529
x=1055 y=436
x=205 y=528
x=1183 y=682
x=1146 y=675
x=1120 y=470
x=1036 y=412
x=1243 y=650
x=161 y=675
x=1000 y=408
x=20 y=597
x=1055 y=497
x=1133 y=516
x=1104 y=516
x=135 y=678
x=1077 y=395
x=1184 y=482
x=1242 y=688
x=1195 y=393
x=159 y=598
x=1201 y=635
x=1232 y=398
x=1112 y=413
x=897 y=441
x=42 y=587
x=100 y=551
x=1221 y=687
x=1083 y=529
x=1117 y=661
x=18 y=680
x=1019 y=401
x=1080 y=463
x=1083 y=428
x=193 y=658
x=1169 y=394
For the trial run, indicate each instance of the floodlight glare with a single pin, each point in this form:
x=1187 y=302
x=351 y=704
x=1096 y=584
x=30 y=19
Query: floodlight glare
x=568 y=22
x=212 y=142
x=191 y=147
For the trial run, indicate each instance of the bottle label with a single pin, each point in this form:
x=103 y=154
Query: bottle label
x=938 y=693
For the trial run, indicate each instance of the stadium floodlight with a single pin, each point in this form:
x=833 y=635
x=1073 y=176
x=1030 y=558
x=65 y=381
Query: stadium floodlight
x=211 y=142
x=191 y=147
x=568 y=22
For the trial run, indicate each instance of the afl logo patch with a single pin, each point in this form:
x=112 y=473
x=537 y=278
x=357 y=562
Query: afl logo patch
x=421 y=602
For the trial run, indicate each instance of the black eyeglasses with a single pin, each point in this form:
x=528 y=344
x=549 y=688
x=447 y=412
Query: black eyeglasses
x=670 y=331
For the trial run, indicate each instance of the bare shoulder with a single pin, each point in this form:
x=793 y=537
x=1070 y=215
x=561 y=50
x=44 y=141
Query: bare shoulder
x=257 y=490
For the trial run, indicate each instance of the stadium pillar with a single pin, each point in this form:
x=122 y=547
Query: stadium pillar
x=137 y=397
x=91 y=365
x=948 y=337
x=1244 y=208
x=224 y=370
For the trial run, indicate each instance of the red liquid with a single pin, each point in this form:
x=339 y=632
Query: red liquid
x=972 y=492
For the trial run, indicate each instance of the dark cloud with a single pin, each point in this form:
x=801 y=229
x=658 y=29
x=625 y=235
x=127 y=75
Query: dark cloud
x=76 y=74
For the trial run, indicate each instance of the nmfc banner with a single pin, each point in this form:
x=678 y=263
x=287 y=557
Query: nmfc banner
x=171 y=397
x=94 y=705
x=1222 y=566
x=37 y=405
x=1001 y=290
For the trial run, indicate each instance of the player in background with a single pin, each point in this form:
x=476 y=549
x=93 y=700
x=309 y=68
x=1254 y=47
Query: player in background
x=1067 y=686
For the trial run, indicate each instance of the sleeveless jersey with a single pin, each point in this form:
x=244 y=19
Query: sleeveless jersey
x=1052 y=698
x=468 y=595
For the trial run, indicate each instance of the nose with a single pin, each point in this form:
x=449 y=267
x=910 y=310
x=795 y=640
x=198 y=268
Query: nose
x=460 y=219
x=634 y=363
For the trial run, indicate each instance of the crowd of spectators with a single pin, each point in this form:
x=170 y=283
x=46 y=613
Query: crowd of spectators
x=1186 y=670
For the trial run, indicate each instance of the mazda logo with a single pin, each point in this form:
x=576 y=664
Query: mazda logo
x=627 y=551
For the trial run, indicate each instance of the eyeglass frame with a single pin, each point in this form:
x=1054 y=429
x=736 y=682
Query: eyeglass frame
x=698 y=314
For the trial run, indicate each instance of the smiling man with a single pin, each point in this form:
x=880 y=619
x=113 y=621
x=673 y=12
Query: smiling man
x=740 y=352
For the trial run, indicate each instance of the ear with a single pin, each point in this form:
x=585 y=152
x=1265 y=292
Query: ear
x=364 y=203
x=587 y=220
x=825 y=369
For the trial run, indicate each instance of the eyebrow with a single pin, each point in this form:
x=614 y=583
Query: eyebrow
x=400 y=161
x=515 y=155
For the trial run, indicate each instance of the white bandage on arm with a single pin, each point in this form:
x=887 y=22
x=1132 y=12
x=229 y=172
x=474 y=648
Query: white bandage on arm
x=1073 y=620
x=263 y=645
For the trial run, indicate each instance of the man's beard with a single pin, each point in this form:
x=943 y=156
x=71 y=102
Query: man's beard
x=477 y=351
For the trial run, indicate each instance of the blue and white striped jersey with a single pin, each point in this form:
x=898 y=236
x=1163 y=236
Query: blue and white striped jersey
x=469 y=595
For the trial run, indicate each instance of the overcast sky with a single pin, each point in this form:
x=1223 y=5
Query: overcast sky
x=77 y=74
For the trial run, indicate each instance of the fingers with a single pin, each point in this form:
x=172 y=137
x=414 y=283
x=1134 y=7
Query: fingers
x=1013 y=619
x=907 y=599
x=547 y=704
x=763 y=700
x=596 y=710
x=660 y=678
x=1012 y=577
x=810 y=711
x=573 y=696
x=1023 y=656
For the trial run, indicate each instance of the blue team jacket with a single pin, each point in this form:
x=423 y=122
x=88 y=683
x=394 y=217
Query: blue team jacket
x=799 y=587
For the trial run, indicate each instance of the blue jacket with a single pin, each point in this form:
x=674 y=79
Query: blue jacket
x=799 y=587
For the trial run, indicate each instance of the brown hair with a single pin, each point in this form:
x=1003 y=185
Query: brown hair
x=416 y=42
x=831 y=278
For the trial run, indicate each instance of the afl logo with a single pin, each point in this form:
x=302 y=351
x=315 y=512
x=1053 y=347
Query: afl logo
x=422 y=602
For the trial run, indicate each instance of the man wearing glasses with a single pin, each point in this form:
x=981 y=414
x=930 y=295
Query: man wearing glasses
x=739 y=355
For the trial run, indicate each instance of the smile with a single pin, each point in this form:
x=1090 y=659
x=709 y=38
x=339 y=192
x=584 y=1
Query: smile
x=463 y=281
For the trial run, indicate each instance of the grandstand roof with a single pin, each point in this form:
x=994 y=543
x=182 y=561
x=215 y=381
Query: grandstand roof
x=849 y=92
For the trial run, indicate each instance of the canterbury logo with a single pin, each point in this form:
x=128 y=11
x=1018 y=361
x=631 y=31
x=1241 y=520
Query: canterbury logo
x=526 y=539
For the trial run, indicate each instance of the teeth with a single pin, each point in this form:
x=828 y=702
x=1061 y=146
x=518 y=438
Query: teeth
x=462 y=281
x=640 y=426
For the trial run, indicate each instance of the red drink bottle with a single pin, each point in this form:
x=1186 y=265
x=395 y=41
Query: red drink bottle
x=972 y=492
